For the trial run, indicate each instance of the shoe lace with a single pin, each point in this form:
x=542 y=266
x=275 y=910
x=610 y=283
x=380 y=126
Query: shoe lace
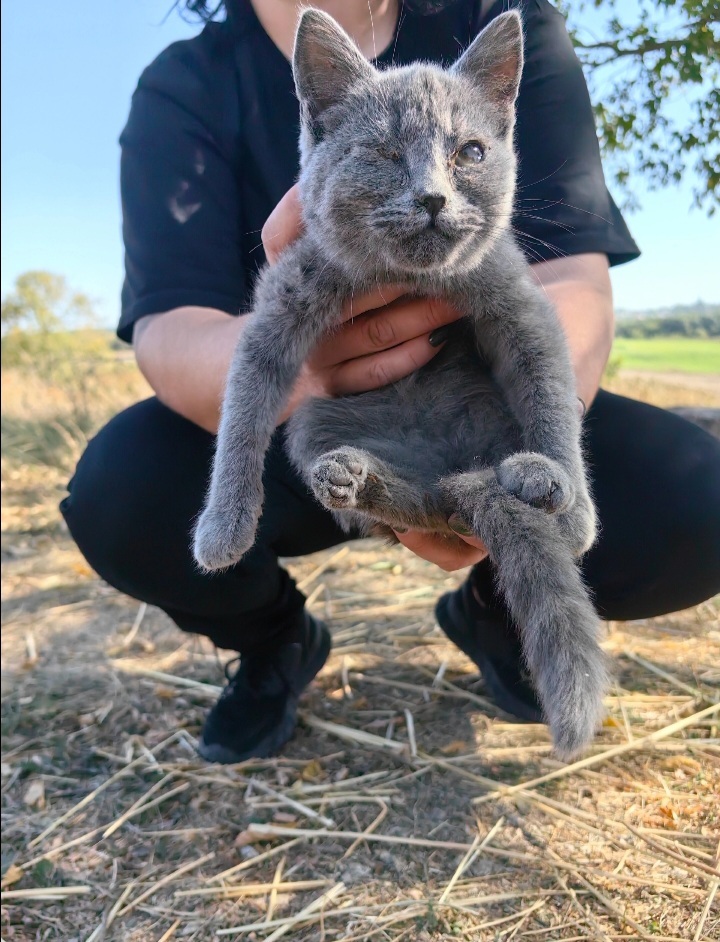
x=259 y=670
x=231 y=670
x=227 y=669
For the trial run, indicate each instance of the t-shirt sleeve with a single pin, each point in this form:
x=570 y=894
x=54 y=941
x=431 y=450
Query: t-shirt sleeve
x=562 y=205
x=180 y=199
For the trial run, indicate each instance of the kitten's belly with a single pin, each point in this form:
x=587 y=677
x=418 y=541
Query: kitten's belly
x=448 y=416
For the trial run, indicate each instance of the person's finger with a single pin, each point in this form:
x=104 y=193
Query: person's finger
x=380 y=369
x=283 y=225
x=380 y=297
x=405 y=319
x=447 y=552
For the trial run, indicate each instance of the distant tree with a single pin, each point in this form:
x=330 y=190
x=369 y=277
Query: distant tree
x=43 y=302
x=36 y=317
x=653 y=67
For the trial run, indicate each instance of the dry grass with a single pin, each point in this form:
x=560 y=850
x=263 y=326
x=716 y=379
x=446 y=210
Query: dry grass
x=405 y=808
x=667 y=389
x=46 y=425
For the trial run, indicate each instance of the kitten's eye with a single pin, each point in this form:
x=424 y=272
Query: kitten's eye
x=470 y=154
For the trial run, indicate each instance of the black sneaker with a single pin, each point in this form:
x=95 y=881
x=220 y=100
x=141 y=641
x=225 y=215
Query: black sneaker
x=257 y=711
x=485 y=632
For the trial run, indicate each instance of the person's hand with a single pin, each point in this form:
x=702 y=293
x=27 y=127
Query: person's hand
x=449 y=552
x=383 y=336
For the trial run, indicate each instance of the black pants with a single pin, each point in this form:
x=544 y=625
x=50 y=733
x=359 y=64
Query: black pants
x=142 y=479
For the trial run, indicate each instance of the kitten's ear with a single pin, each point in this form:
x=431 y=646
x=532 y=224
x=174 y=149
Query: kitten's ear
x=326 y=63
x=494 y=60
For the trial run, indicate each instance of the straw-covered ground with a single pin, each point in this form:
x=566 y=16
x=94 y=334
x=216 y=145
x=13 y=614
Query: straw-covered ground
x=405 y=808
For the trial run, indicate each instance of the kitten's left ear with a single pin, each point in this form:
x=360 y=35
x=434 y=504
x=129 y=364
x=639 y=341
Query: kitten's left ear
x=494 y=60
x=326 y=63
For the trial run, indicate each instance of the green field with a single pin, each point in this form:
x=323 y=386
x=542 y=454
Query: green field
x=668 y=354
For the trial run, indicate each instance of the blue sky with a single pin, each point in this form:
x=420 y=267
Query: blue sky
x=69 y=70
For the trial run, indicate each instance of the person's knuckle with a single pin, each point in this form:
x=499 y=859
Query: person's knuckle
x=379 y=374
x=436 y=312
x=269 y=241
x=380 y=332
x=415 y=360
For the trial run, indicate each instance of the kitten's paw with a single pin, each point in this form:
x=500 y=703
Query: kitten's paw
x=578 y=525
x=536 y=480
x=219 y=541
x=338 y=478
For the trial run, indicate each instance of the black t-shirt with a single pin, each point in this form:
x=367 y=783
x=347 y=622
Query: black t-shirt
x=211 y=146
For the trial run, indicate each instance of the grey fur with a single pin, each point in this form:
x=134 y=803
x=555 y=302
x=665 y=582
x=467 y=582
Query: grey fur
x=488 y=429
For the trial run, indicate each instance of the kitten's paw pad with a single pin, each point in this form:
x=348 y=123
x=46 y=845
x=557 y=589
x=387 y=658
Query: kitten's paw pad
x=337 y=479
x=218 y=543
x=536 y=480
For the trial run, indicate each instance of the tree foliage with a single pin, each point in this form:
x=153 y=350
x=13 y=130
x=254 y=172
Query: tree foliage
x=43 y=302
x=653 y=67
x=40 y=321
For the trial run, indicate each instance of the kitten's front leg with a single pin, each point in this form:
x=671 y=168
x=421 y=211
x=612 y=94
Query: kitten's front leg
x=289 y=316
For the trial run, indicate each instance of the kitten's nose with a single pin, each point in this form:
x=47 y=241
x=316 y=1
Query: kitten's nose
x=433 y=203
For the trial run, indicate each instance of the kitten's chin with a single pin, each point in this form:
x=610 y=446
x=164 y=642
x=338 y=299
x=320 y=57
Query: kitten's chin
x=433 y=251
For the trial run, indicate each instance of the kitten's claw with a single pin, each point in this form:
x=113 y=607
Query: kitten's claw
x=218 y=543
x=337 y=479
x=536 y=480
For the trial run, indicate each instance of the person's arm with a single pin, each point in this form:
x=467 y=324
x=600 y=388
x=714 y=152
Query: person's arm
x=579 y=287
x=185 y=354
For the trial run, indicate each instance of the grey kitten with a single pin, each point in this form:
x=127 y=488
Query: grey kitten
x=408 y=176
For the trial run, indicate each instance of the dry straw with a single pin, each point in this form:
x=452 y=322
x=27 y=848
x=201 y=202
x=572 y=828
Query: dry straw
x=460 y=824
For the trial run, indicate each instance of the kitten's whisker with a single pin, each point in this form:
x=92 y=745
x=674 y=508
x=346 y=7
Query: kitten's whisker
x=372 y=27
x=526 y=215
x=560 y=225
x=527 y=186
x=578 y=209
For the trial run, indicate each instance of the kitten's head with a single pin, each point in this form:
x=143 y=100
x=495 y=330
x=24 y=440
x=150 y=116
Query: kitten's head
x=412 y=169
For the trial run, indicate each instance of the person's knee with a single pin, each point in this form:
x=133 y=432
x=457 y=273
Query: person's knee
x=99 y=510
x=697 y=513
x=136 y=491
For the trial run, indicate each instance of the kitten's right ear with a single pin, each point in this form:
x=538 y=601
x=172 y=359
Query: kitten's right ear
x=326 y=63
x=494 y=60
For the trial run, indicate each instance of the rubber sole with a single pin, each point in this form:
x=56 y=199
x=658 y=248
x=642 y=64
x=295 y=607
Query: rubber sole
x=499 y=691
x=282 y=732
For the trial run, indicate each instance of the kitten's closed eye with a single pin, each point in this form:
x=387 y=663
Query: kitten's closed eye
x=470 y=154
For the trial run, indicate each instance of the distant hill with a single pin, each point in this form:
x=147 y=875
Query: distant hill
x=699 y=308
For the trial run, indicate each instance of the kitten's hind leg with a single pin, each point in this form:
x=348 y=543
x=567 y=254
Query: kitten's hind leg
x=350 y=478
x=547 y=599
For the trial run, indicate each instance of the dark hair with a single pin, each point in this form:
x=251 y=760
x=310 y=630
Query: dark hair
x=205 y=10
x=209 y=9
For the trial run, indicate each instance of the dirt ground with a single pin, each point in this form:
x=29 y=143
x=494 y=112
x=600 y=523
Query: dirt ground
x=406 y=807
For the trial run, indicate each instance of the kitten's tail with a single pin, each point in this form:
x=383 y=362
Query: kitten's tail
x=547 y=599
